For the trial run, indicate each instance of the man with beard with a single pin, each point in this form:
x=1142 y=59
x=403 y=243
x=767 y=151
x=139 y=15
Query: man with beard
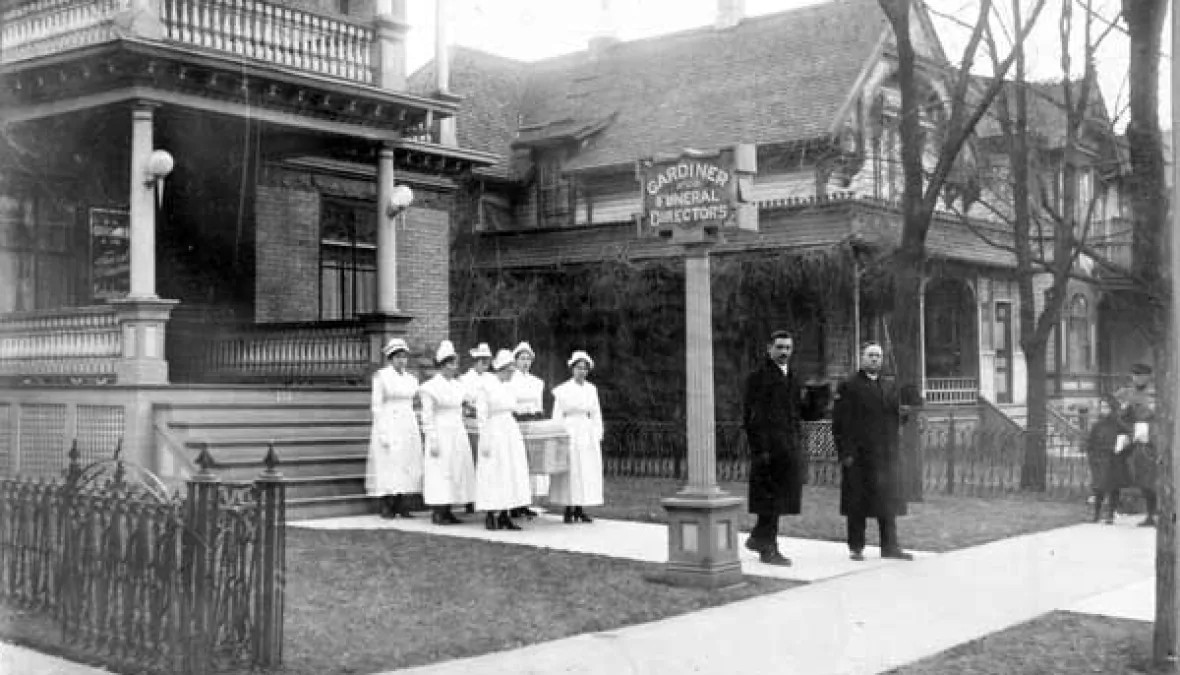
x=774 y=406
x=865 y=425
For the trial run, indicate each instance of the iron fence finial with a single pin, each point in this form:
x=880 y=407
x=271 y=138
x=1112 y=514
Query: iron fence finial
x=205 y=461
x=271 y=461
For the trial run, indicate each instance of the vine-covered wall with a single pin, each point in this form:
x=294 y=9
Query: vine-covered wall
x=629 y=315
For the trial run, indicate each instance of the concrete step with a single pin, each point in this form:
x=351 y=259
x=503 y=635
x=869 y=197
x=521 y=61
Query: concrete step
x=278 y=412
x=287 y=449
x=264 y=430
x=330 y=507
x=319 y=487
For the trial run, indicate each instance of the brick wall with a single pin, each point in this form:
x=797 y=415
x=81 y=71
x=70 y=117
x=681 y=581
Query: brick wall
x=422 y=274
x=287 y=255
x=288 y=239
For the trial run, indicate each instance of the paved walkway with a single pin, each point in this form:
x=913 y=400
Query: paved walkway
x=886 y=615
x=16 y=660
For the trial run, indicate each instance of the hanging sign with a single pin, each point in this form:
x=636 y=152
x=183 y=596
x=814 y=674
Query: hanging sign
x=110 y=253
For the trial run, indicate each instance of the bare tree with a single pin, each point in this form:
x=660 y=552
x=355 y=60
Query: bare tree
x=921 y=190
x=1149 y=200
x=1039 y=201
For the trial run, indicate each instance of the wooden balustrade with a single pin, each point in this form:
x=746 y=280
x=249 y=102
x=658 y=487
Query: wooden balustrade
x=951 y=390
x=72 y=342
x=40 y=27
x=274 y=353
x=273 y=32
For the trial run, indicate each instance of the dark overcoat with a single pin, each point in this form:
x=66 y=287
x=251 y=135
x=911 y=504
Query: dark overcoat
x=1106 y=471
x=866 y=422
x=773 y=407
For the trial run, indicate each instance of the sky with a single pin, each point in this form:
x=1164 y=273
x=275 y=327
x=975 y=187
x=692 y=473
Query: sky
x=534 y=29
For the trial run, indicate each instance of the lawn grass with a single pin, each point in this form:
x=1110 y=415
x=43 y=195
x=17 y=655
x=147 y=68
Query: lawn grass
x=368 y=601
x=939 y=523
x=1059 y=642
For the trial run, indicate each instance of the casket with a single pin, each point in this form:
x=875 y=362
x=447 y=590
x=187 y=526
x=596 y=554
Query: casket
x=545 y=441
x=548 y=446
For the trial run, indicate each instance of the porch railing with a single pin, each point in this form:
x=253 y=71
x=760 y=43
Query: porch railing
x=273 y=32
x=951 y=390
x=280 y=353
x=60 y=343
x=268 y=31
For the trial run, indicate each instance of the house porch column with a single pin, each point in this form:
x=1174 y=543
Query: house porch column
x=388 y=321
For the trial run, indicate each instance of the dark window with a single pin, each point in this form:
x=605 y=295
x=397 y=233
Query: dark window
x=1079 y=348
x=554 y=194
x=41 y=265
x=348 y=258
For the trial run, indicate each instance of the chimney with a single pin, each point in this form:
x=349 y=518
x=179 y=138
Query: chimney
x=606 y=33
x=729 y=13
x=442 y=68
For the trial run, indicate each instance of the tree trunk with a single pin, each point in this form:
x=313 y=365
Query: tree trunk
x=908 y=352
x=1149 y=201
x=1033 y=471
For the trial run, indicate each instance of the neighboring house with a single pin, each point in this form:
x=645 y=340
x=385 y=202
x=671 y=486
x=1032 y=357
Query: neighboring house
x=131 y=296
x=814 y=90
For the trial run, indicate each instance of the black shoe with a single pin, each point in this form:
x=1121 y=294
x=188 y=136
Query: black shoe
x=568 y=516
x=896 y=554
x=505 y=522
x=470 y=508
x=449 y=518
x=753 y=545
x=387 y=504
x=857 y=555
x=771 y=556
x=436 y=518
x=490 y=522
x=528 y=513
x=1149 y=522
x=581 y=517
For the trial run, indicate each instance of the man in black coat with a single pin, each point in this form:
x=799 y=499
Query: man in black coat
x=866 y=422
x=773 y=406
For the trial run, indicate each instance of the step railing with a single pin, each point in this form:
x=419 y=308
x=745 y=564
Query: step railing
x=278 y=353
x=60 y=343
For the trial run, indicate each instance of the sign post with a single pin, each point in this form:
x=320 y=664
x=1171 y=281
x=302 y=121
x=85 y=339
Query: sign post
x=693 y=199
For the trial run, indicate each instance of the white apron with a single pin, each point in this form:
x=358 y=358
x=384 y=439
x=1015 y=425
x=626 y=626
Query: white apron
x=502 y=472
x=450 y=472
x=395 y=445
x=577 y=405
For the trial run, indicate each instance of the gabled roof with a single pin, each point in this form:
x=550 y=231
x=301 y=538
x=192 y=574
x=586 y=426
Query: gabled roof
x=1046 y=110
x=776 y=78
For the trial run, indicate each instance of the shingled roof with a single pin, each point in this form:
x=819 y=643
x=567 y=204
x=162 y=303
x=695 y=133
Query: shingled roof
x=776 y=78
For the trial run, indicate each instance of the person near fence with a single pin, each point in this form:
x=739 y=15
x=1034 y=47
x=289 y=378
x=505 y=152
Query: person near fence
x=473 y=381
x=449 y=471
x=774 y=405
x=502 y=472
x=575 y=402
x=530 y=405
x=1108 y=474
x=1135 y=445
x=866 y=423
x=394 y=466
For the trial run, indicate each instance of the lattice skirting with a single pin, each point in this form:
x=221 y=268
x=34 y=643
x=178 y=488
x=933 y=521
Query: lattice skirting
x=37 y=438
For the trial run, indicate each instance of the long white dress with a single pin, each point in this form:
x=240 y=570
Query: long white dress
x=530 y=391
x=450 y=476
x=577 y=405
x=502 y=472
x=395 y=445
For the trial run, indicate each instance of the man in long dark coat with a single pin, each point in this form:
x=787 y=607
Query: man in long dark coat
x=1136 y=444
x=774 y=405
x=866 y=422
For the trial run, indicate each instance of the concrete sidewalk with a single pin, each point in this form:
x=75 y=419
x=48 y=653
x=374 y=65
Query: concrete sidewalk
x=647 y=542
x=883 y=617
x=16 y=660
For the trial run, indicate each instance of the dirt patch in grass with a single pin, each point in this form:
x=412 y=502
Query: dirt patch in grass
x=1060 y=642
x=940 y=523
x=368 y=601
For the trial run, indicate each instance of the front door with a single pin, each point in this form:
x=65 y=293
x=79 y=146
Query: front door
x=1003 y=344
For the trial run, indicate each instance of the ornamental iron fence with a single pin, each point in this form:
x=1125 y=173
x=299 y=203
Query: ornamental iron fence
x=959 y=456
x=171 y=583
